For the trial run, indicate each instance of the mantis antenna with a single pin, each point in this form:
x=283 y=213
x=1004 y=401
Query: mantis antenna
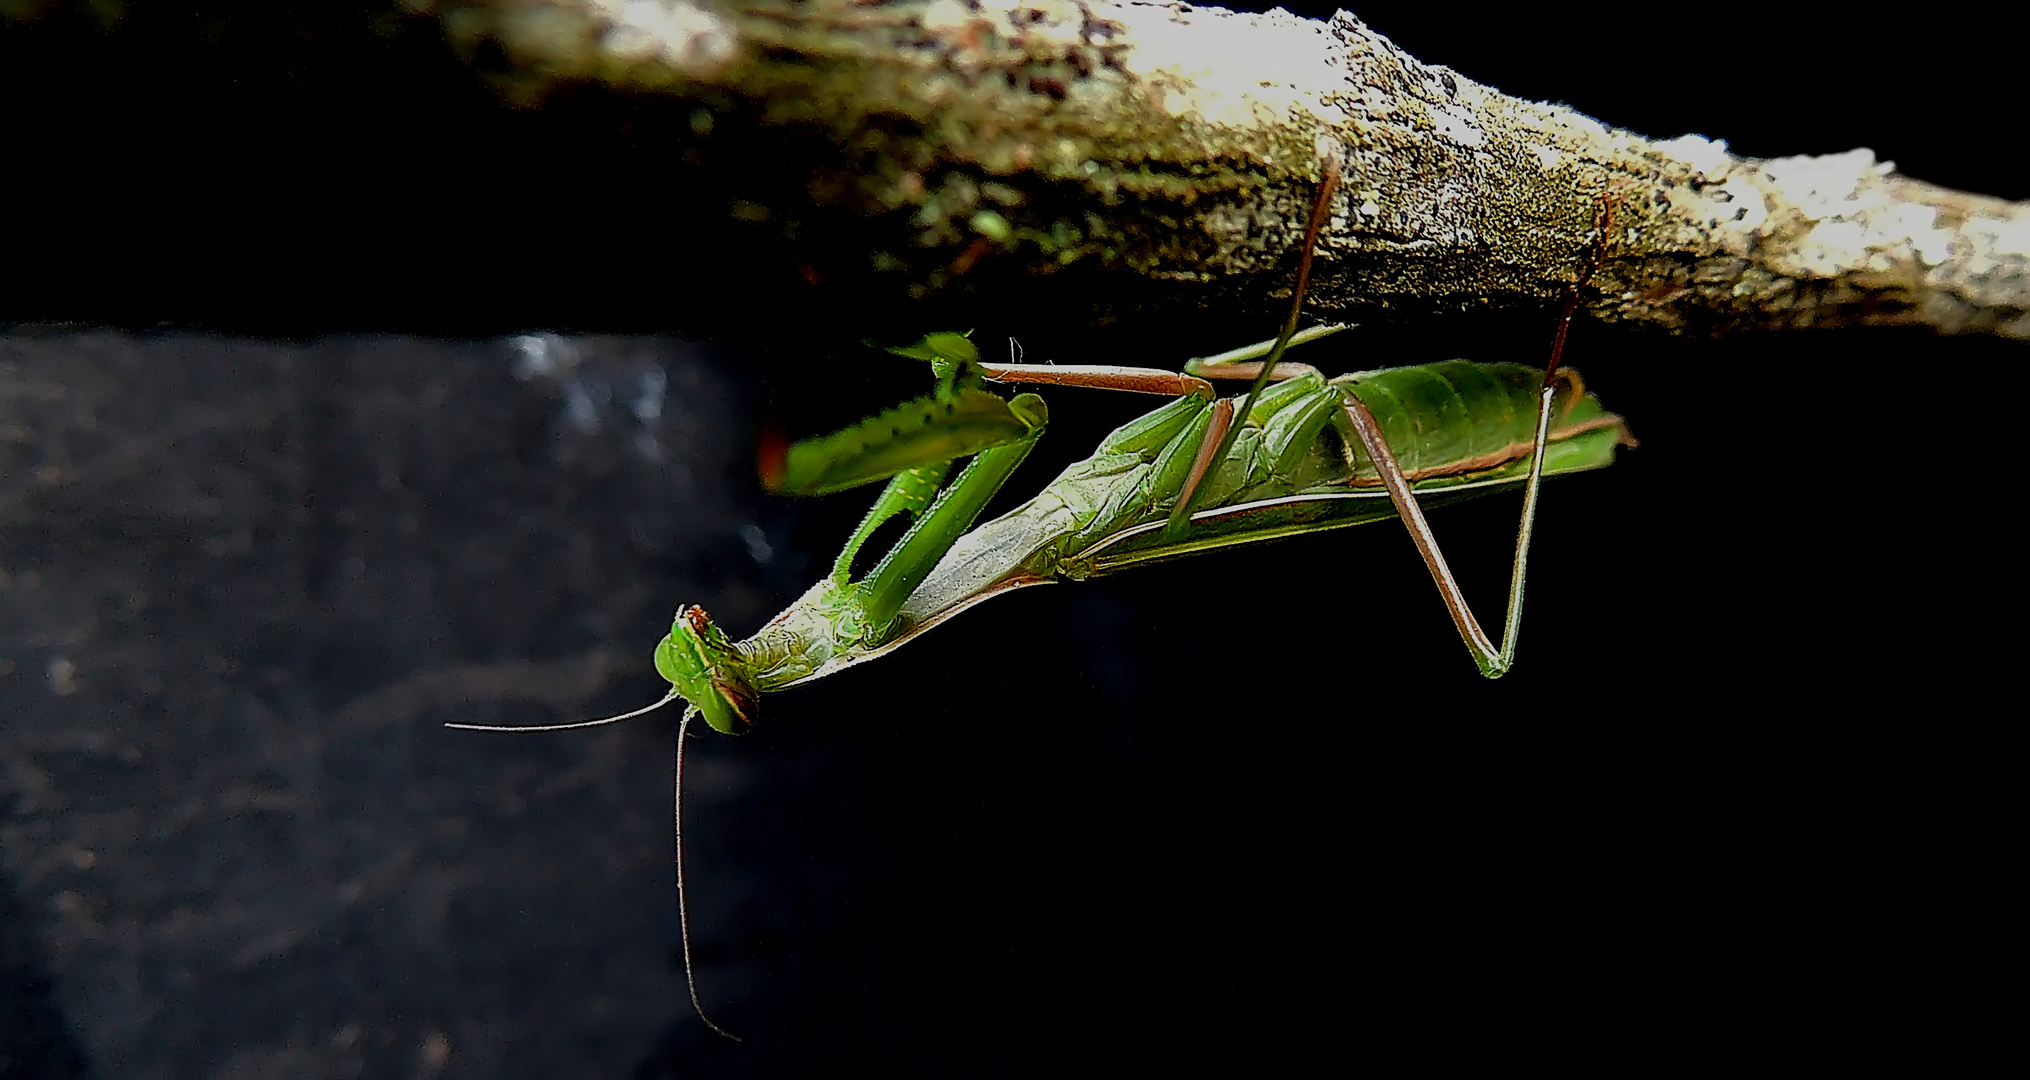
x=676 y=817
x=683 y=908
x=573 y=725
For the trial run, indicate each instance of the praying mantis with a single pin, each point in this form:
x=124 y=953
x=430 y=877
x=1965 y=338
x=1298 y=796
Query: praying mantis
x=1297 y=453
x=1464 y=429
x=1200 y=473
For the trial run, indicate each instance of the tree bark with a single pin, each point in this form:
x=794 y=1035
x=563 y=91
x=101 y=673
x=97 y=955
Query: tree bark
x=959 y=142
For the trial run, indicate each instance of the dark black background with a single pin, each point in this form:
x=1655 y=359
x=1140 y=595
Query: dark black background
x=1255 y=806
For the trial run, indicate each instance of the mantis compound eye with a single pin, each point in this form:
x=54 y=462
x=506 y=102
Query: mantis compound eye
x=705 y=670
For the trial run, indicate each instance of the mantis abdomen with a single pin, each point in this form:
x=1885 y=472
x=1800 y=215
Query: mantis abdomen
x=1458 y=429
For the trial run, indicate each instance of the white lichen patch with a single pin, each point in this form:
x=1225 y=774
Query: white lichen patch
x=1708 y=158
x=946 y=17
x=1458 y=124
x=1919 y=224
x=2003 y=238
x=1822 y=186
x=1746 y=204
x=681 y=34
x=1856 y=222
x=1569 y=127
x=1828 y=249
x=1232 y=79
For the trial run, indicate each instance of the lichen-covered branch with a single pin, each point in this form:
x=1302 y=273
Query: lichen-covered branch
x=939 y=142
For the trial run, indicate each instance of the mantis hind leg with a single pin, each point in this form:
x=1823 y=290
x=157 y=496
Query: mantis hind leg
x=1493 y=660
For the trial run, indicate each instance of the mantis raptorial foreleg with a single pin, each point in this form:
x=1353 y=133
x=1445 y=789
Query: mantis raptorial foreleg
x=954 y=511
x=914 y=445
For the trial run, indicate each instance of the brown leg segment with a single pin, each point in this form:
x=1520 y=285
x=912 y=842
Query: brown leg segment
x=1133 y=380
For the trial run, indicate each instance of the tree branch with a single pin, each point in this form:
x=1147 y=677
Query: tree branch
x=954 y=142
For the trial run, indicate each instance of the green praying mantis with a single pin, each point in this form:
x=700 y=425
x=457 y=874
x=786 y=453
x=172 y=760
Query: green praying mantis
x=1297 y=453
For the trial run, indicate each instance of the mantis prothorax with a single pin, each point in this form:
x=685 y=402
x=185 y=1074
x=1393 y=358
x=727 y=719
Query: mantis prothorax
x=1298 y=453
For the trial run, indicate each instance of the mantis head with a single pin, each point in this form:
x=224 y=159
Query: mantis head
x=704 y=669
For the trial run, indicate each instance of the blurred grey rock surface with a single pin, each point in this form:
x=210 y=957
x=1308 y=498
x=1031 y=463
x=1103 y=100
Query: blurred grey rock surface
x=241 y=587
